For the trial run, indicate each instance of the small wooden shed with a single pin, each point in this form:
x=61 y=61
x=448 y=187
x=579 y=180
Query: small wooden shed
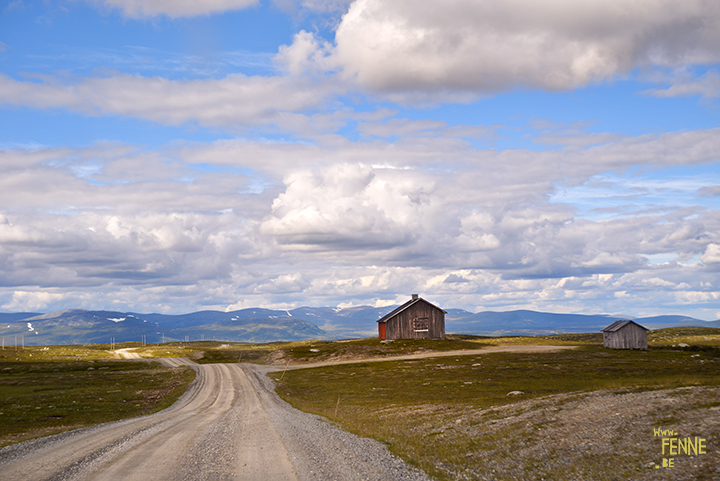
x=625 y=335
x=416 y=319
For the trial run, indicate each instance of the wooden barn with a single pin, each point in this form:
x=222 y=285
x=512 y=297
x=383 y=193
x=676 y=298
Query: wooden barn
x=416 y=319
x=625 y=335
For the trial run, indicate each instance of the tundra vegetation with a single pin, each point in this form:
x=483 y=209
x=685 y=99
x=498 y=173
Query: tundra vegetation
x=454 y=417
x=47 y=390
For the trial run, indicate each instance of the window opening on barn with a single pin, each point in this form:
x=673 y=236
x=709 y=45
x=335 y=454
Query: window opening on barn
x=421 y=324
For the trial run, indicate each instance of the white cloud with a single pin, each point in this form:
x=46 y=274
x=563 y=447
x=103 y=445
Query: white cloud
x=179 y=228
x=349 y=206
x=236 y=100
x=11 y=234
x=304 y=55
x=487 y=46
x=29 y=301
x=685 y=84
x=712 y=254
x=657 y=282
x=284 y=284
x=173 y=8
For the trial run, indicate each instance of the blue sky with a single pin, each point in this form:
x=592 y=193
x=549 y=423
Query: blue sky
x=175 y=156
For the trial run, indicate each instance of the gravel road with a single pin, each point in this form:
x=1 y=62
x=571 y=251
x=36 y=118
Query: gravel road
x=230 y=424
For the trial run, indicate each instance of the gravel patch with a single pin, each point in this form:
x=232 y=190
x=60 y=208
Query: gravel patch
x=320 y=451
x=602 y=435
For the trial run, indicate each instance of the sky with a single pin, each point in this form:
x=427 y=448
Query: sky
x=180 y=155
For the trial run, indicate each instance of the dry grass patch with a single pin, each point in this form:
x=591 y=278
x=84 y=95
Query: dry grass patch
x=50 y=396
x=453 y=417
x=694 y=336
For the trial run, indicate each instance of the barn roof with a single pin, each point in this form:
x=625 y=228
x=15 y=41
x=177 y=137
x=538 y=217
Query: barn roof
x=617 y=325
x=405 y=306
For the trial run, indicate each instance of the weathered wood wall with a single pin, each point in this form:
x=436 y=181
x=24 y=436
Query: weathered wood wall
x=630 y=336
x=419 y=321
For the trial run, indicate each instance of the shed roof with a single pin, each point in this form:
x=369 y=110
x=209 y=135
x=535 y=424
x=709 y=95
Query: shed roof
x=405 y=306
x=617 y=325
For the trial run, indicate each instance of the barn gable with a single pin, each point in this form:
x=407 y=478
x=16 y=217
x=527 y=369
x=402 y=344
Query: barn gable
x=625 y=335
x=416 y=319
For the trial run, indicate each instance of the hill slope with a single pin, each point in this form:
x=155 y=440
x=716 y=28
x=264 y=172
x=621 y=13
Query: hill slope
x=266 y=325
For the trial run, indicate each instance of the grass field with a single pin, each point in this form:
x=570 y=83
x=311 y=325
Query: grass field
x=413 y=406
x=444 y=415
x=694 y=336
x=302 y=352
x=49 y=390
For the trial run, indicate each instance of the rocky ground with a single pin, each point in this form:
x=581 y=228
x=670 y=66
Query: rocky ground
x=603 y=435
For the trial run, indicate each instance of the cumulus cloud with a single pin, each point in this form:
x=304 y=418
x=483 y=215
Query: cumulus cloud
x=11 y=234
x=438 y=50
x=349 y=206
x=712 y=254
x=195 y=229
x=479 y=47
x=173 y=8
x=280 y=223
x=305 y=55
x=30 y=301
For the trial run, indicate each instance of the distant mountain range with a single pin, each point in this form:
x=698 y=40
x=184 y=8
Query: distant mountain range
x=267 y=325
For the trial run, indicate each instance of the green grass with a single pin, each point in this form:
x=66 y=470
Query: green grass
x=55 y=353
x=239 y=352
x=170 y=349
x=554 y=340
x=303 y=352
x=46 y=391
x=704 y=336
x=319 y=351
x=411 y=405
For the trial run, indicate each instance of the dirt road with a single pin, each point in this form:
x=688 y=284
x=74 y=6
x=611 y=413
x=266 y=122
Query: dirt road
x=228 y=425
x=126 y=354
x=422 y=355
